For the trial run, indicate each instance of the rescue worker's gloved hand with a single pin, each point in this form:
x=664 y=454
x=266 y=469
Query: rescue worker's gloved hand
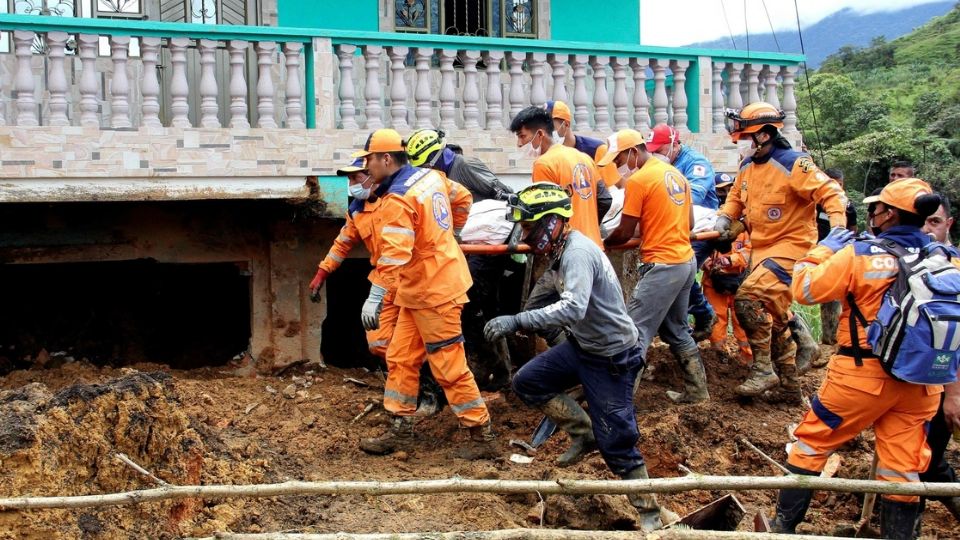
x=317 y=283
x=837 y=239
x=722 y=226
x=370 y=314
x=500 y=326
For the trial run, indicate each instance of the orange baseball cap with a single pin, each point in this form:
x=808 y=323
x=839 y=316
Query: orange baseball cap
x=662 y=134
x=559 y=110
x=381 y=141
x=902 y=194
x=620 y=141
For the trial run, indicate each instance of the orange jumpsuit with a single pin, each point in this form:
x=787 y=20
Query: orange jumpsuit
x=421 y=261
x=575 y=172
x=852 y=398
x=361 y=226
x=778 y=199
x=722 y=302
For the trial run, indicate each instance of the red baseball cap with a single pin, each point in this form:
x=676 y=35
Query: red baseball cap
x=662 y=134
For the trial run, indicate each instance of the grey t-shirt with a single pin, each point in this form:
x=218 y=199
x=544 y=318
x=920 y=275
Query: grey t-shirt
x=474 y=174
x=591 y=302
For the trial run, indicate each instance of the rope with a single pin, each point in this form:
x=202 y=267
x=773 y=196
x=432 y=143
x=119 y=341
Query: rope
x=729 y=29
x=770 y=22
x=806 y=76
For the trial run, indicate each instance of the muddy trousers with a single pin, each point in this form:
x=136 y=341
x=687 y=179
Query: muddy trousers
x=659 y=302
x=829 y=322
x=435 y=334
x=846 y=405
x=723 y=305
x=379 y=340
x=763 y=304
x=608 y=387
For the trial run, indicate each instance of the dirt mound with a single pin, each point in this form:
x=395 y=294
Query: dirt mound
x=60 y=429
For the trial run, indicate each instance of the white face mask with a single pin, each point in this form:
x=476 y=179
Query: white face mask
x=558 y=138
x=531 y=151
x=359 y=191
x=746 y=149
x=625 y=170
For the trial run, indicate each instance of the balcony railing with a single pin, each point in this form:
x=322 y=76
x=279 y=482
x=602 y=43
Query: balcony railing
x=207 y=76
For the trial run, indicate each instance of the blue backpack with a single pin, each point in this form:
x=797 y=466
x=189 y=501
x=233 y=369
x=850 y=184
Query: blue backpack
x=916 y=334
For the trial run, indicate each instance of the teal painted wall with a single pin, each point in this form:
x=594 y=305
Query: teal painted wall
x=607 y=21
x=339 y=15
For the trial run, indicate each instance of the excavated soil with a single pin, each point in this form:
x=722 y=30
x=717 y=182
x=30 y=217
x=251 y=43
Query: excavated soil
x=61 y=427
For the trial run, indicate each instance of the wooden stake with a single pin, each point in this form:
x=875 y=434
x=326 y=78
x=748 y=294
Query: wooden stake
x=772 y=461
x=129 y=462
x=463 y=485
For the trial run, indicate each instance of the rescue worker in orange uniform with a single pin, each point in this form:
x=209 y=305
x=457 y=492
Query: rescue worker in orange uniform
x=361 y=226
x=593 y=148
x=567 y=167
x=776 y=192
x=852 y=397
x=657 y=200
x=722 y=274
x=420 y=260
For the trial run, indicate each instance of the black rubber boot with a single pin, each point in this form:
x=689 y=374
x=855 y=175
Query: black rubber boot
x=792 y=505
x=646 y=504
x=694 y=379
x=808 y=351
x=398 y=437
x=898 y=519
x=570 y=417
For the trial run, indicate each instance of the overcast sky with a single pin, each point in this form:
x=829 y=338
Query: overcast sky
x=672 y=23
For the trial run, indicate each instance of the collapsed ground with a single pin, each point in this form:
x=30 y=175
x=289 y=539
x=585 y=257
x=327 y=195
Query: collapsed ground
x=61 y=424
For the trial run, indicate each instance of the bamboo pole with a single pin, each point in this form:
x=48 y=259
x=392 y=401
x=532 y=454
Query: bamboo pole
x=463 y=485
x=529 y=534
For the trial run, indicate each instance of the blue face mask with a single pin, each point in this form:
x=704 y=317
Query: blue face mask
x=357 y=191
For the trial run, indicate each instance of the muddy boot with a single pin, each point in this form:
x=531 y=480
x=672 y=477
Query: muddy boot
x=762 y=376
x=898 y=519
x=807 y=349
x=789 y=391
x=570 y=417
x=694 y=379
x=792 y=505
x=703 y=328
x=645 y=504
x=398 y=437
x=482 y=444
x=826 y=351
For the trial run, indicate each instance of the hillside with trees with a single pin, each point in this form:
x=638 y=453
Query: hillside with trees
x=886 y=102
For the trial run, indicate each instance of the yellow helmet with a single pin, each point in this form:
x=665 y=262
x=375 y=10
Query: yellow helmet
x=423 y=145
x=752 y=118
x=539 y=200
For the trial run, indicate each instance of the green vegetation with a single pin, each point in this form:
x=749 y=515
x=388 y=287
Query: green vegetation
x=897 y=100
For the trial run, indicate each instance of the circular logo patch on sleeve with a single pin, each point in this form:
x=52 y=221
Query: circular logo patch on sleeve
x=676 y=187
x=774 y=214
x=441 y=213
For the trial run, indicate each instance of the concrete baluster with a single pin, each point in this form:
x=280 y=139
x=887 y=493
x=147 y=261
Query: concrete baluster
x=265 y=89
x=789 y=99
x=734 y=99
x=558 y=62
x=57 y=79
x=398 y=88
x=679 y=68
x=348 y=113
x=23 y=83
x=448 y=90
x=601 y=99
x=641 y=104
x=424 y=89
x=717 y=90
x=659 y=91
x=753 y=83
x=150 y=86
x=580 y=112
x=238 y=84
x=293 y=92
x=620 y=114
x=494 y=91
x=179 y=90
x=119 y=83
x=371 y=91
x=87 y=45
x=208 y=84
x=518 y=98
x=471 y=90
x=538 y=90
x=770 y=82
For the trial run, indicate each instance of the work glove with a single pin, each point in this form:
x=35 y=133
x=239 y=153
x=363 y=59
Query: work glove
x=500 y=326
x=370 y=313
x=722 y=226
x=837 y=239
x=317 y=284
